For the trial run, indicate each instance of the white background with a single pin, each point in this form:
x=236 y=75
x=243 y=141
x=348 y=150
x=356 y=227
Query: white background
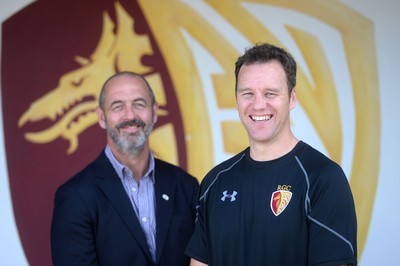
x=383 y=243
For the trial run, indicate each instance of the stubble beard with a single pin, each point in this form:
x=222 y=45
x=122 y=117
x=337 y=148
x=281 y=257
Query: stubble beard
x=133 y=143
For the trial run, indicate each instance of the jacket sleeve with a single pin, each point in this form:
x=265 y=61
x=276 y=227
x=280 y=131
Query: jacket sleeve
x=72 y=231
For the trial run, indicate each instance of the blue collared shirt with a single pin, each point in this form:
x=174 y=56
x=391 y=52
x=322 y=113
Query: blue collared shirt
x=141 y=195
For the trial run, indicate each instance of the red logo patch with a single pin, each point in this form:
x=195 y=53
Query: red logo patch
x=280 y=200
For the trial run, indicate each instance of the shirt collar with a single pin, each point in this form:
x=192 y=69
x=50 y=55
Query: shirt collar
x=120 y=168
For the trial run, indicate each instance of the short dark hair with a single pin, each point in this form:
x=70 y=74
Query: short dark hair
x=265 y=52
x=122 y=73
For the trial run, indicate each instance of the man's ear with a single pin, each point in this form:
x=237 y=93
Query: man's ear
x=293 y=98
x=155 y=112
x=101 y=119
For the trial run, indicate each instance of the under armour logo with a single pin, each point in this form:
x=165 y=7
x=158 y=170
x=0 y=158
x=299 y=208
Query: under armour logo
x=229 y=196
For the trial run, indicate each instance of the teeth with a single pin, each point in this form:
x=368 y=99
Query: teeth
x=261 y=118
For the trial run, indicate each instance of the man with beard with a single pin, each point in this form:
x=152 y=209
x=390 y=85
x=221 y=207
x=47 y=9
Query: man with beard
x=126 y=207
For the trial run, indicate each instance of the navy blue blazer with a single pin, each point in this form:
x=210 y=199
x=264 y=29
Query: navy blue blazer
x=94 y=222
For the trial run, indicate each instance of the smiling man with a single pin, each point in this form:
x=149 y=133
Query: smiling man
x=280 y=201
x=126 y=207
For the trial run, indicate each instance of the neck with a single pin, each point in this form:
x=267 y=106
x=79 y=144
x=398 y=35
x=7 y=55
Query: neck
x=136 y=162
x=267 y=151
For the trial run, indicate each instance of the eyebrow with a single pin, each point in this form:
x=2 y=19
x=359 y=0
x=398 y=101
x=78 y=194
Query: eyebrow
x=243 y=89
x=115 y=102
x=264 y=89
x=141 y=99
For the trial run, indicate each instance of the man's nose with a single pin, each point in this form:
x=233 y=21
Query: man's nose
x=259 y=101
x=130 y=112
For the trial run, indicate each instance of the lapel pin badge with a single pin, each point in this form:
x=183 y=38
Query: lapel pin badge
x=164 y=196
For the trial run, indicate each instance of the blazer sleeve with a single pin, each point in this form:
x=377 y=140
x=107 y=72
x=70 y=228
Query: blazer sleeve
x=72 y=236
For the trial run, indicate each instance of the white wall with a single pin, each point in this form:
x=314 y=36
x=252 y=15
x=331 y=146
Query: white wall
x=384 y=235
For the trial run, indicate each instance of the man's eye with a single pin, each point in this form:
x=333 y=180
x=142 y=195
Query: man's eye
x=140 y=105
x=116 y=108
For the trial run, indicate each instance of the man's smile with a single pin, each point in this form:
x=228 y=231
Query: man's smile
x=261 y=118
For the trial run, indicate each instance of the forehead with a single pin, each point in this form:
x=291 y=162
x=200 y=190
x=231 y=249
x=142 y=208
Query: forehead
x=267 y=74
x=126 y=88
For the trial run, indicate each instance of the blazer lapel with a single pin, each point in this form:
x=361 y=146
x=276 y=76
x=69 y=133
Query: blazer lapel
x=165 y=197
x=110 y=184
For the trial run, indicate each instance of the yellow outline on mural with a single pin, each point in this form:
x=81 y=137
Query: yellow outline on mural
x=168 y=19
x=320 y=105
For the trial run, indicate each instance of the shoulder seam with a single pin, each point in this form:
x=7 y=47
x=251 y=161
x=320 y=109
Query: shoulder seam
x=216 y=177
x=307 y=207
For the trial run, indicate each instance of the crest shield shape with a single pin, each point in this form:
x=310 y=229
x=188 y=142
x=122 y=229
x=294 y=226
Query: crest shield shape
x=279 y=201
x=70 y=21
x=52 y=71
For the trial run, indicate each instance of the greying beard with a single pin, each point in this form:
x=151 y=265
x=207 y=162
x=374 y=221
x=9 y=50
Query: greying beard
x=127 y=146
